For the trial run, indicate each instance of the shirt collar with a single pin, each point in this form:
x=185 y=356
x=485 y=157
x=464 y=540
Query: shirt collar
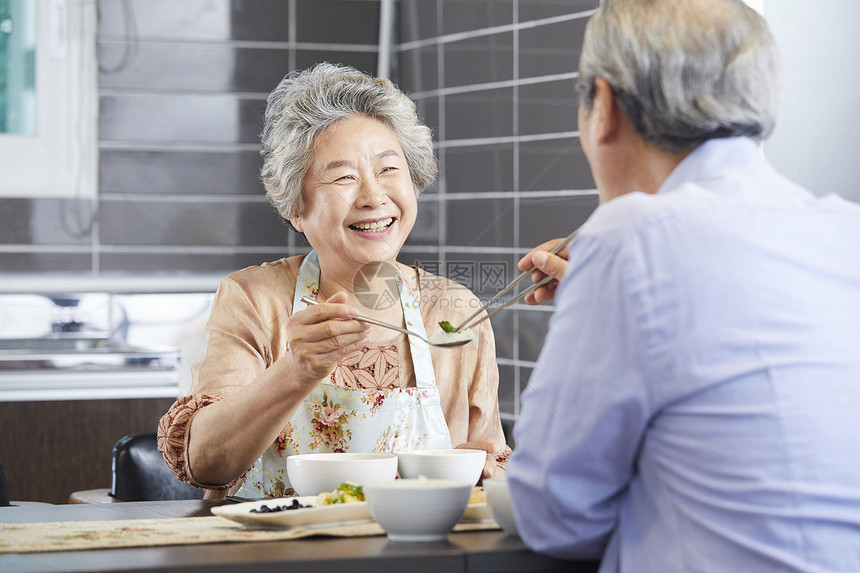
x=712 y=158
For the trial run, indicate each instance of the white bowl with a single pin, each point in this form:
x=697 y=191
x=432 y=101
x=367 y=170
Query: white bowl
x=499 y=499
x=453 y=464
x=417 y=509
x=312 y=474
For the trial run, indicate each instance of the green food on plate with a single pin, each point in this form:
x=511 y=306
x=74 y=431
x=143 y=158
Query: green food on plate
x=346 y=492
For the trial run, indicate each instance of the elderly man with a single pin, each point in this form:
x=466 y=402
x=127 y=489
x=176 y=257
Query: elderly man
x=695 y=407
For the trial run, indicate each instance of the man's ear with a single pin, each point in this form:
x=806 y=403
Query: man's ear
x=605 y=110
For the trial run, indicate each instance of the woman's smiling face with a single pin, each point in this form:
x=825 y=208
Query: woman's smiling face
x=359 y=200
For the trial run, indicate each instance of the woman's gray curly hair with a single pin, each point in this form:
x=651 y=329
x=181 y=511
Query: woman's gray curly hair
x=305 y=103
x=683 y=72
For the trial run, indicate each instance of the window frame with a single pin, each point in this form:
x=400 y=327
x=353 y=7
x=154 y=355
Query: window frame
x=61 y=158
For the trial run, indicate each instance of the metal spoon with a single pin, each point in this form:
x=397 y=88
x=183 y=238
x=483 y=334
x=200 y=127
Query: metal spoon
x=448 y=344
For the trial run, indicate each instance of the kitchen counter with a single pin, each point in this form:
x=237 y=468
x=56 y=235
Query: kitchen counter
x=37 y=387
x=99 y=345
x=478 y=551
x=73 y=367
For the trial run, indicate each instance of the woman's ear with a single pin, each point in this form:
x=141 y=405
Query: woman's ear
x=296 y=222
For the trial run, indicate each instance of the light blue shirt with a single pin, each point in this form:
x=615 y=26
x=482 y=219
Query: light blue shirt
x=696 y=406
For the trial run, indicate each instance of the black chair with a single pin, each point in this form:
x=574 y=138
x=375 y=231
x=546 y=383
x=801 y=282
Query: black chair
x=4 y=492
x=508 y=428
x=141 y=474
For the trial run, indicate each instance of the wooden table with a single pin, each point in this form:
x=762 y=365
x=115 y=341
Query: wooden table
x=478 y=551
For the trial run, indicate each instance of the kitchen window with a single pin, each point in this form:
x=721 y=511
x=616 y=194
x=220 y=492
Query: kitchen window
x=48 y=98
x=18 y=72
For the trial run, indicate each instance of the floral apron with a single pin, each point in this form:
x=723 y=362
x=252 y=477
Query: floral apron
x=338 y=419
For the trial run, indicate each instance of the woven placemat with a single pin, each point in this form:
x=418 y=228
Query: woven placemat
x=78 y=535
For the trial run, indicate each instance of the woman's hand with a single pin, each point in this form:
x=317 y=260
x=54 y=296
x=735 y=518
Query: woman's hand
x=322 y=334
x=548 y=264
x=491 y=468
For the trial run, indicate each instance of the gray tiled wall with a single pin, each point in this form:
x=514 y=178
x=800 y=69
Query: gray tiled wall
x=494 y=78
x=181 y=105
x=182 y=90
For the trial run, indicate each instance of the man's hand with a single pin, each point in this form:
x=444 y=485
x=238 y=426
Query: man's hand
x=548 y=264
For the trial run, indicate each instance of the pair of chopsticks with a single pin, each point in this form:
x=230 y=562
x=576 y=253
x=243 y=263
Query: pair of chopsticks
x=510 y=287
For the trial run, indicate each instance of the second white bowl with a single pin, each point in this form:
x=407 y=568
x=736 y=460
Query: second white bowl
x=452 y=464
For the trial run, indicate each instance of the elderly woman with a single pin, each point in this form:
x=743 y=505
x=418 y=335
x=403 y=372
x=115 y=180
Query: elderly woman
x=345 y=159
x=702 y=362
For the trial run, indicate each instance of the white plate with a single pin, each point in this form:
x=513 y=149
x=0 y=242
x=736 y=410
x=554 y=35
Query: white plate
x=476 y=513
x=307 y=517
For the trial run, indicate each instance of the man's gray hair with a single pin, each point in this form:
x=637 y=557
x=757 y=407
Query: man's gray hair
x=683 y=71
x=305 y=103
